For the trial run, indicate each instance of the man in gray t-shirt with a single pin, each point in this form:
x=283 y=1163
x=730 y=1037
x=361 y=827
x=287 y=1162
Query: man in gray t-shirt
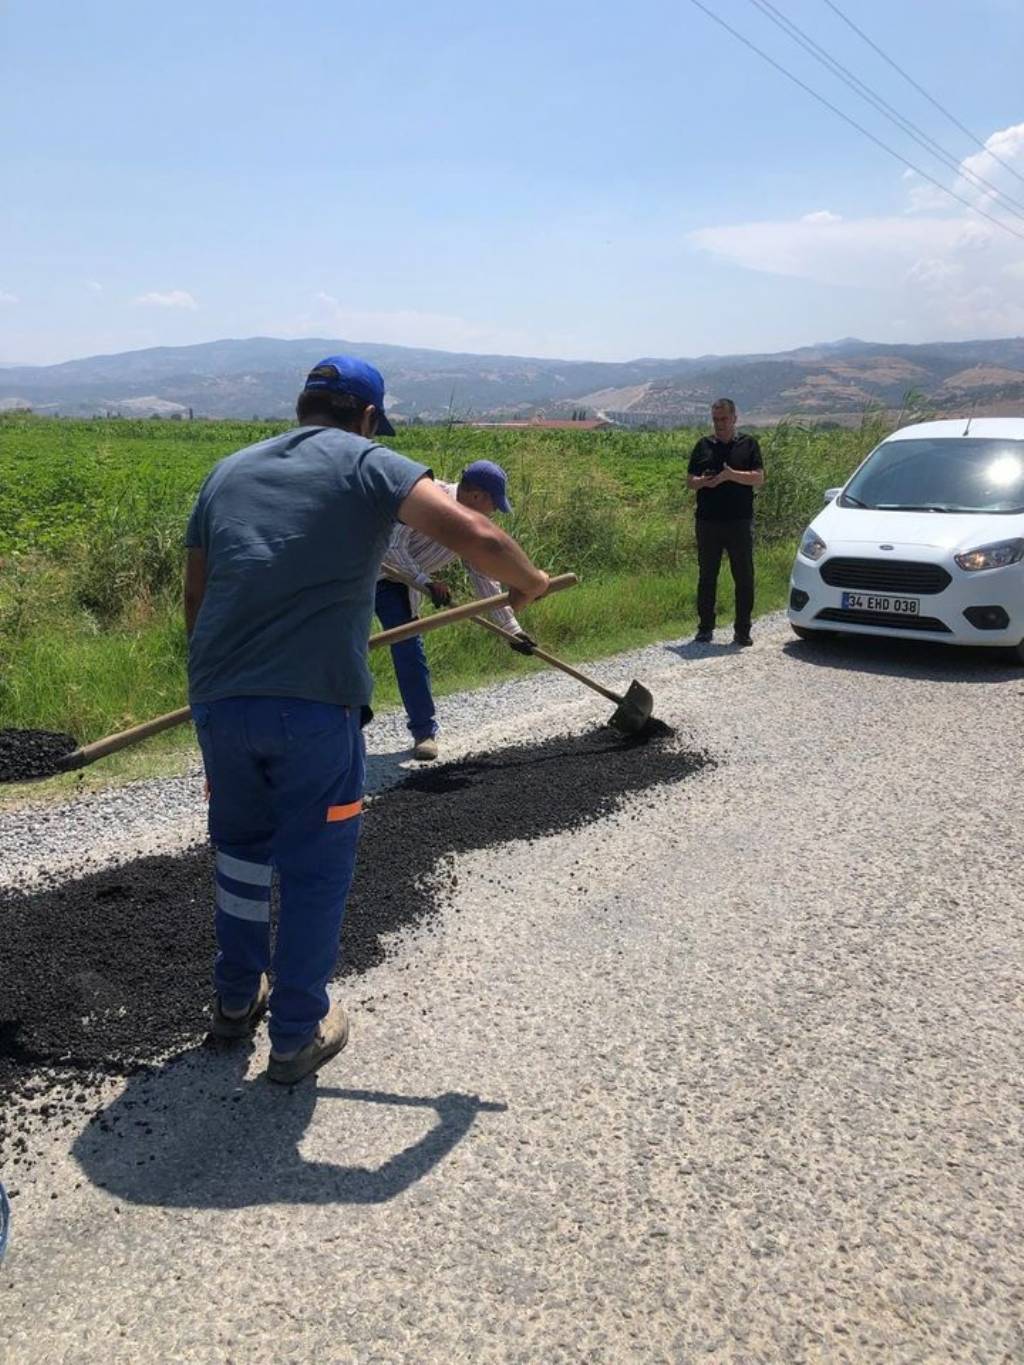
x=284 y=548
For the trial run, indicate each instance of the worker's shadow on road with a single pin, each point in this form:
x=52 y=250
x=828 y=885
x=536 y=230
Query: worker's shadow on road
x=385 y=770
x=197 y=1133
x=389 y=769
x=692 y=652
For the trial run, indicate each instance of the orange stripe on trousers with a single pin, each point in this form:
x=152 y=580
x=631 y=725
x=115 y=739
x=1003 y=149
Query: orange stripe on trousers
x=344 y=812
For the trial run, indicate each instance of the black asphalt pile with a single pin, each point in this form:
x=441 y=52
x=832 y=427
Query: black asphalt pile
x=25 y=754
x=110 y=972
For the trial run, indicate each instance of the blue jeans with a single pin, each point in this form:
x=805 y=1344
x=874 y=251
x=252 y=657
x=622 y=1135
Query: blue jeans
x=409 y=658
x=286 y=785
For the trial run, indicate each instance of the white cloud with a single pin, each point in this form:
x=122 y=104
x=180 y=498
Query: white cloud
x=941 y=273
x=94 y=287
x=924 y=197
x=173 y=298
x=932 y=271
x=5 y=297
x=1003 y=149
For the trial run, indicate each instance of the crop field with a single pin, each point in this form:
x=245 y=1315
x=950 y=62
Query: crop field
x=92 y=514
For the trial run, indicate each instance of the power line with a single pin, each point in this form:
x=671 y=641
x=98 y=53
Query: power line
x=898 y=156
x=922 y=91
x=859 y=87
x=872 y=97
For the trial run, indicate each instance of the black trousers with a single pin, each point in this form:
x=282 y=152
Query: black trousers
x=736 y=539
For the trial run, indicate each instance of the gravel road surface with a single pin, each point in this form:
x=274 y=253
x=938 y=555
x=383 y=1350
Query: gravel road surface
x=729 y=1070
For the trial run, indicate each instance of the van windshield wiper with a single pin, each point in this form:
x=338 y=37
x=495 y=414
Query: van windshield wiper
x=848 y=500
x=909 y=507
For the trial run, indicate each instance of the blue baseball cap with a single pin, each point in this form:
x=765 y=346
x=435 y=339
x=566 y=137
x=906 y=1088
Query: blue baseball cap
x=492 y=479
x=347 y=374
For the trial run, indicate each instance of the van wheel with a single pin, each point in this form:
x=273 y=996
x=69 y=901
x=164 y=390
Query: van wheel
x=1015 y=654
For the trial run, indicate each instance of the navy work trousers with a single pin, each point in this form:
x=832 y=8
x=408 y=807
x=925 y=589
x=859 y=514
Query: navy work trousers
x=393 y=608
x=286 y=786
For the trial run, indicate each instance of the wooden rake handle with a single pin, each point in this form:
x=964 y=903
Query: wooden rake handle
x=100 y=748
x=447 y=618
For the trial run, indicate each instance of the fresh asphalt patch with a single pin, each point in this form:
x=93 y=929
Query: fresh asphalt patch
x=111 y=972
x=27 y=754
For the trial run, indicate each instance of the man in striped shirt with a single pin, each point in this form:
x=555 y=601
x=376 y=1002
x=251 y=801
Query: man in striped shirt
x=483 y=487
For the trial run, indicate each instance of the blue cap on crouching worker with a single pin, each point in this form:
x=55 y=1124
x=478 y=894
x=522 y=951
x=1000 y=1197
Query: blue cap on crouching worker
x=348 y=374
x=491 y=479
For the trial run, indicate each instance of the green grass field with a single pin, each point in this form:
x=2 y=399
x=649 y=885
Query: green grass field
x=92 y=514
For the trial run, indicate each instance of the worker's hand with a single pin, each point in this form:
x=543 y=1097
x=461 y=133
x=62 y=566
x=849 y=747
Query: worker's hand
x=519 y=598
x=522 y=644
x=440 y=593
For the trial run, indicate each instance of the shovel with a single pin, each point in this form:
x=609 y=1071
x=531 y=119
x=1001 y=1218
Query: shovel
x=100 y=748
x=632 y=712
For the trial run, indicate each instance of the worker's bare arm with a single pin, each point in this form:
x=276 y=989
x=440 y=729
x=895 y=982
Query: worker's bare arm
x=195 y=586
x=473 y=538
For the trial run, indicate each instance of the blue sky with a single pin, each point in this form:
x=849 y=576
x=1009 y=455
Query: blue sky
x=560 y=179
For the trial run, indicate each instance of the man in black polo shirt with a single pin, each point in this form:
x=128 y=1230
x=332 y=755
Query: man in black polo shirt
x=724 y=470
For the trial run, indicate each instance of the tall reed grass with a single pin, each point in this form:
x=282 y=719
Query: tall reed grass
x=92 y=515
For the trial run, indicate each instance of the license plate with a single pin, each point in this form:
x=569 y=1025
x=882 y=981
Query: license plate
x=882 y=603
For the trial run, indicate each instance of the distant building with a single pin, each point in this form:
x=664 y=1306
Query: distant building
x=652 y=420
x=546 y=424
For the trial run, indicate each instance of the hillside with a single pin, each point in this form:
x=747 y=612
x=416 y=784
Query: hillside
x=260 y=377
x=833 y=383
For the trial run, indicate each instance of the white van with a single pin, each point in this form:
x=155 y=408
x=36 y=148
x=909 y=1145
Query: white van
x=926 y=540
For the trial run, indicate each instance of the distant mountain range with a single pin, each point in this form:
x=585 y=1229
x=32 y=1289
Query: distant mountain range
x=261 y=376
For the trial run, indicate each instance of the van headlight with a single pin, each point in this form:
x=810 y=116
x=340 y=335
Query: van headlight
x=995 y=556
x=813 y=547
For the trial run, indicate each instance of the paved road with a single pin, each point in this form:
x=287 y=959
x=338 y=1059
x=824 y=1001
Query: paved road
x=733 y=1075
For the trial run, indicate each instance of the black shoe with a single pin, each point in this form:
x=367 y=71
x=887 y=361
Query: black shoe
x=703 y=637
x=742 y=638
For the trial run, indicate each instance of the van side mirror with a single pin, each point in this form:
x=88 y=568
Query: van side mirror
x=832 y=493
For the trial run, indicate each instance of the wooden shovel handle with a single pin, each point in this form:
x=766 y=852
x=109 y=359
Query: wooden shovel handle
x=389 y=571
x=537 y=653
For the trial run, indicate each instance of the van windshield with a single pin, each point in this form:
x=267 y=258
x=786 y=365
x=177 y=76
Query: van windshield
x=956 y=474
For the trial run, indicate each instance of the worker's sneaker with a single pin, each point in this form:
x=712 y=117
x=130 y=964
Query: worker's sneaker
x=331 y=1036
x=425 y=749
x=742 y=638
x=240 y=1023
x=703 y=637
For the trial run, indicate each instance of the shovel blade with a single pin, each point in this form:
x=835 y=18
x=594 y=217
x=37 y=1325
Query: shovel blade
x=634 y=710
